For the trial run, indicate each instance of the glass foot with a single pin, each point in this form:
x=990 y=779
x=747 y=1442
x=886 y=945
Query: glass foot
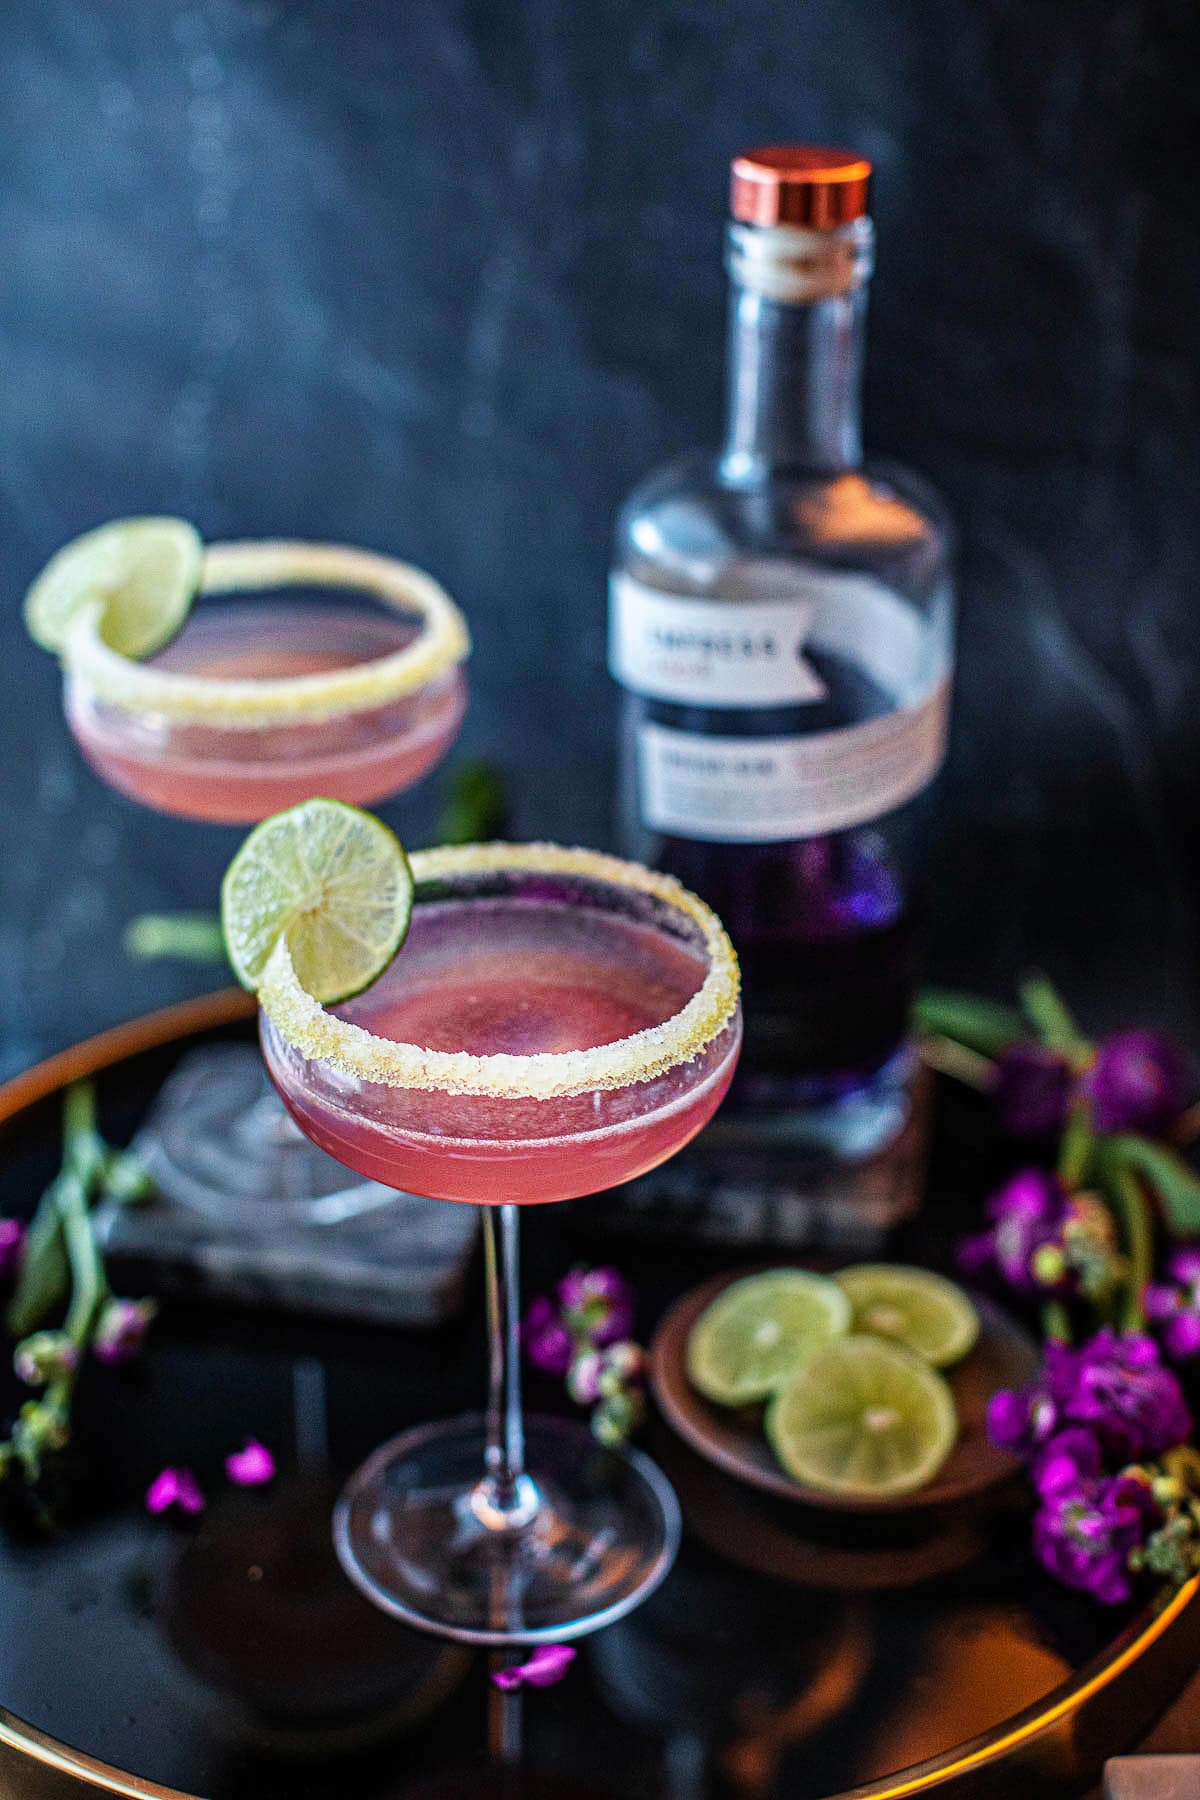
x=409 y=1531
x=221 y=1142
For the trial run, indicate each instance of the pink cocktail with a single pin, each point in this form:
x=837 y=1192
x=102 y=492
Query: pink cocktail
x=300 y=669
x=256 y=705
x=557 y=1022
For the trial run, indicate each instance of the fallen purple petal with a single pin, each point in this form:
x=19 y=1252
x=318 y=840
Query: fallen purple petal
x=547 y=1665
x=251 y=1466
x=175 y=1487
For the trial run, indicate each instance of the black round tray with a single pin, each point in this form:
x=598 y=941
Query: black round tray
x=785 y=1656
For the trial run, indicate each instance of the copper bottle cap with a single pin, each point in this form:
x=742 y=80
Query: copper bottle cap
x=799 y=184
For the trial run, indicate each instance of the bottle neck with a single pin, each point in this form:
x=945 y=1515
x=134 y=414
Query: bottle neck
x=796 y=329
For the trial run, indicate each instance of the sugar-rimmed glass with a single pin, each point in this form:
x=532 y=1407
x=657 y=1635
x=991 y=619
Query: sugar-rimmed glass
x=350 y=684
x=556 y=1023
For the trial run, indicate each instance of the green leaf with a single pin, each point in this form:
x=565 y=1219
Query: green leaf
x=981 y=1025
x=1175 y=1183
x=187 y=937
x=476 y=810
x=45 y=1272
x=1048 y=1014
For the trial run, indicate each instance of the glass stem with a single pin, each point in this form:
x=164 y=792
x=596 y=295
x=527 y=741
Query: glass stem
x=506 y=1498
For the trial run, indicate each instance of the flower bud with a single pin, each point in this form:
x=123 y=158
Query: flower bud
x=43 y=1357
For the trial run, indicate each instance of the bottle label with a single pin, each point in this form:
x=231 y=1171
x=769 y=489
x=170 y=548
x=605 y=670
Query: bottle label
x=712 y=652
x=728 y=790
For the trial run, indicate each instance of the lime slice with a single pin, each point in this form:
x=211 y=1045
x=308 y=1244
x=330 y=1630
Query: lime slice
x=143 y=574
x=865 y=1419
x=914 y=1307
x=334 y=881
x=757 y=1333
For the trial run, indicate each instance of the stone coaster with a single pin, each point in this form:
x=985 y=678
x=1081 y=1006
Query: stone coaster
x=1152 y=1778
x=248 y=1209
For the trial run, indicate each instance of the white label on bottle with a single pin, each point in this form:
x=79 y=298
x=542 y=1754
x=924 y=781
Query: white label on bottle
x=741 y=790
x=711 y=652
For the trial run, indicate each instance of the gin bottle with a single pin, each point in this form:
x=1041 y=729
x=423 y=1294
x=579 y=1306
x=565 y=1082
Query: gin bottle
x=781 y=623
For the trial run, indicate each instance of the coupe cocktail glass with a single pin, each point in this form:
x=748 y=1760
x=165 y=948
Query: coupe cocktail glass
x=556 y=1023
x=256 y=704
x=259 y=704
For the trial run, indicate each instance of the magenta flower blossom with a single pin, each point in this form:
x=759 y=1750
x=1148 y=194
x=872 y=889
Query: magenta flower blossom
x=1085 y=1530
x=1022 y=1419
x=1174 y=1305
x=1141 y=1081
x=547 y=1665
x=251 y=1466
x=598 y=1304
x=548 y=1343
x=12 y=1244
x=175 y=1487
x=1032 y=1090
x=1029 y=1215
x=121 y=1330
x=1069 y=1458
x=1115 y=1387
x=1118 y=1387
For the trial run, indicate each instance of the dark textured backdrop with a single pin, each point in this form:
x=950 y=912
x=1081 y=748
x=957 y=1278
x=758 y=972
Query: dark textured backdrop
x=444 y=277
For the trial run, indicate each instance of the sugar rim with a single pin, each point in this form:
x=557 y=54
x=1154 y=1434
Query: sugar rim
x=246 y=704
x=319 y=1036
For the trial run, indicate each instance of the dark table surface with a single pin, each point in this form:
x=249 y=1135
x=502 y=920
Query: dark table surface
x=229 y=1657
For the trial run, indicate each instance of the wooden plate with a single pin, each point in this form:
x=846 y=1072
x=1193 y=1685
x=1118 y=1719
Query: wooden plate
x=1005 y=1356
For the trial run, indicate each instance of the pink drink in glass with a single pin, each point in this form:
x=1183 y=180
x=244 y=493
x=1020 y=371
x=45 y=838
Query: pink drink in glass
x=239 y=775
x=522 y=977
x=556 y=1022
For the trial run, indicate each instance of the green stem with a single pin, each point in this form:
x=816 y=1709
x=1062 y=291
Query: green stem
x=958 y=1061
x=189 y=937
x=89 y=1285
x=1056 y=1322
x=1076 y=1148
x=1133 y=1210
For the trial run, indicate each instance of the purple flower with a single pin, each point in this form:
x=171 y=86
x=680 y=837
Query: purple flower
x=598 y=1304
x=122 y=1329
x=1116 y=1387
x=175 y=1487
x=1141 y=1081
x=251 y=1466
x=1021 y=1419
x=1174 y=1305
x=1085 y=1530
x=1029 y=1215
x=12 y=1243
x=1032 y=1090
x=548 y=1343
x=548 y=1664
x=1067 y=1459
